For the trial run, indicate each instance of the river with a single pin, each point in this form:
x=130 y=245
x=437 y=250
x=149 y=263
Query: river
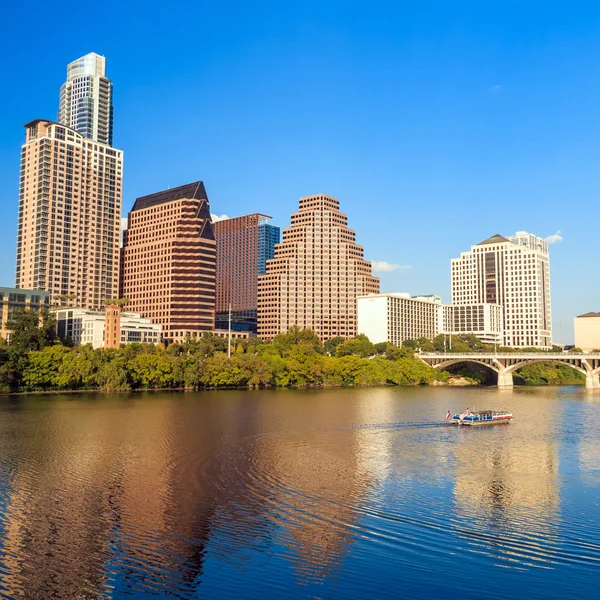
x=361 y=493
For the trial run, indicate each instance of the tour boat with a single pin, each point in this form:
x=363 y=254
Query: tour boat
x=483 y=417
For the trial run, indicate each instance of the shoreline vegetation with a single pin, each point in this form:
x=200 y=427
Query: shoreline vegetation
x=36 y=362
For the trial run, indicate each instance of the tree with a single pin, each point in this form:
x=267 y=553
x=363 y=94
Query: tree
x=330 y=346
x=31 y=330
x=381 y=347
x=358 y=346
x=285 y=341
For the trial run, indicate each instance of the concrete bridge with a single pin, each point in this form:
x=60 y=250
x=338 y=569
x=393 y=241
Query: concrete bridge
x=506 y=364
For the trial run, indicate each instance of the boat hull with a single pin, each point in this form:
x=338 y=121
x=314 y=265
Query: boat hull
x=482 y=418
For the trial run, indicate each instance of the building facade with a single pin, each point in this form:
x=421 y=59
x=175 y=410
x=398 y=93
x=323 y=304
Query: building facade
x=95 y=327
x=515 y=274
x=12 y=299
x=243 y=245
x=482 y=320
x=587 y=331
x=169 y=260
x=268 y=236
x=317 y=273
x=397 y=317
x=69 y=213
x=86 y=99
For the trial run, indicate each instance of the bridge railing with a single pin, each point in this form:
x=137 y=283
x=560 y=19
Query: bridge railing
x=544 y=355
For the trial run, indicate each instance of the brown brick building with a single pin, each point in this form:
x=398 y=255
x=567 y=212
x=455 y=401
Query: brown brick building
x=69 y=215
x=242 y=245
x=168 y=261
x=316 y=275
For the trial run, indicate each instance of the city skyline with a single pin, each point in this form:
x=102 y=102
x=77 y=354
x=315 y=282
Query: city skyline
x=444 y=149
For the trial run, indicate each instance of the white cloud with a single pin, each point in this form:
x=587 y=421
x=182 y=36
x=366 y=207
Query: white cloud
x=496 y=88
x=380 y=266
x=216 y=218
x=554 y=238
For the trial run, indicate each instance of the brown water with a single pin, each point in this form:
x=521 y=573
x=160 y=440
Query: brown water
x=325 y=494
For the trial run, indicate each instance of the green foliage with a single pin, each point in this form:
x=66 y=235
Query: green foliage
x=36 y=363
x=285 y=341
x=330 y=345
x=548 y=373
x=31 y=330
x=358 y=346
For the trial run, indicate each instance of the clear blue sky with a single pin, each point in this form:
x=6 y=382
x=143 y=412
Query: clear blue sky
x=436 y=123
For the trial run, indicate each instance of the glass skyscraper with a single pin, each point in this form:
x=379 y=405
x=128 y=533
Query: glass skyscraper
x=86 y=99
x=268 y=236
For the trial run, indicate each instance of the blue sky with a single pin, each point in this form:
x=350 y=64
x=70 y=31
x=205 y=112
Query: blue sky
x=436 y=123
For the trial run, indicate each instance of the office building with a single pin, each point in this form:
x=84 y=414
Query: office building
x=69 y=213
x=587 y=331
x=12 y=299
x=268 y=236
x=515 y=274
x=317 y=273
x=169 y=260
x=86 y=99
x=243 y=246
x=82 y=326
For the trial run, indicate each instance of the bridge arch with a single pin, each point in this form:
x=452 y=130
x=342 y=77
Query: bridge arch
x=456 y=361
x=512 y=368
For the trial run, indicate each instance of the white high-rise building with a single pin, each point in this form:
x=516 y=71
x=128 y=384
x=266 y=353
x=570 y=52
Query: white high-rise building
x=514 y=273
x=86 y=99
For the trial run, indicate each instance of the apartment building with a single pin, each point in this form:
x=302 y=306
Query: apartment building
x=317 y=273
x=514 y=273
x=169 y=260
x=86 y=99
x=69 y=212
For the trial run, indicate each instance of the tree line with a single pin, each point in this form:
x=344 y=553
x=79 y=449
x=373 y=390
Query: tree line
x=36 y=360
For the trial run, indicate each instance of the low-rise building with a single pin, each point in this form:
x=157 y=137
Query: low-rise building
x=587 y=331
x=15 y=298
x=83 y=326
x=397 y=317
x=483 y=320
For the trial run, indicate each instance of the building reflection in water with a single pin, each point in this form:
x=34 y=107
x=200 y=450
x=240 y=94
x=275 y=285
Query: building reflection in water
x=506 y=490
x=103 y=499
x=314 y=483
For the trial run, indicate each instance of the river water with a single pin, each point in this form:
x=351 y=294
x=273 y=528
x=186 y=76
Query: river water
x=300 y=494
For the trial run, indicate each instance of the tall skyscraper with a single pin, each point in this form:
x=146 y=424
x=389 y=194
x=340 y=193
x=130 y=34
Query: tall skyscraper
x=268 y=236
x=69 y=214
x=168 y=261
x=316 y=275
x=514 y=273
x=86 y=99
x=243 y=246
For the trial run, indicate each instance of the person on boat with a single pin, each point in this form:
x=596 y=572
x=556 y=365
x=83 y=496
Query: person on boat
x=448 y=416
x=468 y=411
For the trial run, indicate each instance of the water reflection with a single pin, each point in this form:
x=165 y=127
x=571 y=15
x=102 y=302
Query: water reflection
x=328 y=492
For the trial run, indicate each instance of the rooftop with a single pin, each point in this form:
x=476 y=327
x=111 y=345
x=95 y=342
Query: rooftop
x=495 y=239
x=590 y=314
x=188 y=191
